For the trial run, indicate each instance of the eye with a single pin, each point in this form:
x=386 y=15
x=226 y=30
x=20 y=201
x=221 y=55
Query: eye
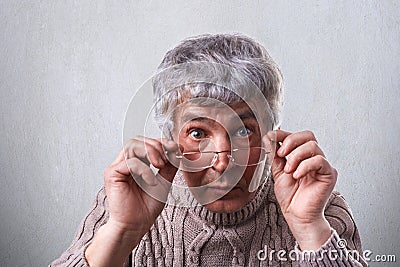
x=197 y=133
x=243 y=132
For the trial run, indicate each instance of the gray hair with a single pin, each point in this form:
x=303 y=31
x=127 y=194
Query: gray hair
x=243 y=56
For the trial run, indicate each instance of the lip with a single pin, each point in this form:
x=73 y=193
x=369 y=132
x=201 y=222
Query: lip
x=222 y=190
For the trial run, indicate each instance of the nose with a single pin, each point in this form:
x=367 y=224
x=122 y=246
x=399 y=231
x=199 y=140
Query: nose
x=223 y=147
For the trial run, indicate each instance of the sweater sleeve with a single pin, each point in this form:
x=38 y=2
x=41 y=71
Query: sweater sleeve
x=343 y=248
x=97 y=216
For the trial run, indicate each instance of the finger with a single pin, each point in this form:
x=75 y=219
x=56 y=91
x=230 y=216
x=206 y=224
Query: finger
x=145 y=151
x=302 y=152
x=118 y=171
x=278 y=163
x=171 y=146
x=156 y=143
x=163 y=144
x=316 y=164
x=143 y=175
x=167 y=147
x=278 y=135
x=168 y=172
x=123 y=171
x=292 y=141
x=138 y=169
x=155 y=185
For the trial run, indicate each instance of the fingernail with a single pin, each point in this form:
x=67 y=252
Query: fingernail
x=295 y=174
x=287 y=168
x=281 y=151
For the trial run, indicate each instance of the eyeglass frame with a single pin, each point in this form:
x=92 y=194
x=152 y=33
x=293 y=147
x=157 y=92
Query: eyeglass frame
x=230 y=157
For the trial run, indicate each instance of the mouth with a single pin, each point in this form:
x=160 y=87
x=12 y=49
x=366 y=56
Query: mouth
x=222 y=190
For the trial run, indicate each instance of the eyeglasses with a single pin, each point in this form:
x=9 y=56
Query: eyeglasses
x=200 y=160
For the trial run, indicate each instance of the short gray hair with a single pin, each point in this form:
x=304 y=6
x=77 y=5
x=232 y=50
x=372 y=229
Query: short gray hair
x=241 y=53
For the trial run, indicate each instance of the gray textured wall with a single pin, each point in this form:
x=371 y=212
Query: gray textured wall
x=69 y=68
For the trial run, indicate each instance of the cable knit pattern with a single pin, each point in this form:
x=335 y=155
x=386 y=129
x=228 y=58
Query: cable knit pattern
x=194 y=236
x=198 y=243
x=237 y=246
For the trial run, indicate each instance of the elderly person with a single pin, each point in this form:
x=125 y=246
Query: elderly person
x=258 y=196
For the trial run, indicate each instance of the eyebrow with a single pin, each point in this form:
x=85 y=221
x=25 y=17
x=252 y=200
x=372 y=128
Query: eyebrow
x=249 y=114
x=193 y=117
x=189 y=116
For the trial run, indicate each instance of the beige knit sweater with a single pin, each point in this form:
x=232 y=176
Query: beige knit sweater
x=252 y=236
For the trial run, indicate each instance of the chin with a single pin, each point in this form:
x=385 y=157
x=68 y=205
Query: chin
x=231 y=202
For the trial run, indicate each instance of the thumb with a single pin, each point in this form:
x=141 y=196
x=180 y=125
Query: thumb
x=278 y=163
x=168 y=172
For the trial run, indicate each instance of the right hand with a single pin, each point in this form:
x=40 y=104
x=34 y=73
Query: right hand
x=131 y=208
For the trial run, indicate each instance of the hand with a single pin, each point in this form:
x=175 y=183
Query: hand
x=132 y=210
x=304 y=180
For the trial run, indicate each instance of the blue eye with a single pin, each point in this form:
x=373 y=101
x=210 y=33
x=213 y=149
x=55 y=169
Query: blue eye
x=243 y=132
x=197 y=133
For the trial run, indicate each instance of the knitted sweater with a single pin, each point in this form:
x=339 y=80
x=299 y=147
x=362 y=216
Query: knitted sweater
x=256 y=235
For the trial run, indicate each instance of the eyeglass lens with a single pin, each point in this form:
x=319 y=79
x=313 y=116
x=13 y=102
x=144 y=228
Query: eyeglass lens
x=240 y=156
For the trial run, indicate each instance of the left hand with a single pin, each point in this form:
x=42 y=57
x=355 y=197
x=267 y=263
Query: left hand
x=304 y=180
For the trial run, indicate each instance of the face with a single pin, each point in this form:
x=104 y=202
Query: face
x=221 y=129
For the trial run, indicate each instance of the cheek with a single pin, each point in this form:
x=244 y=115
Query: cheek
x=248 y=174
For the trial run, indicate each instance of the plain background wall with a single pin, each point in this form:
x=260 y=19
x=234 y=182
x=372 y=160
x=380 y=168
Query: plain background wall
x=69 y=68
